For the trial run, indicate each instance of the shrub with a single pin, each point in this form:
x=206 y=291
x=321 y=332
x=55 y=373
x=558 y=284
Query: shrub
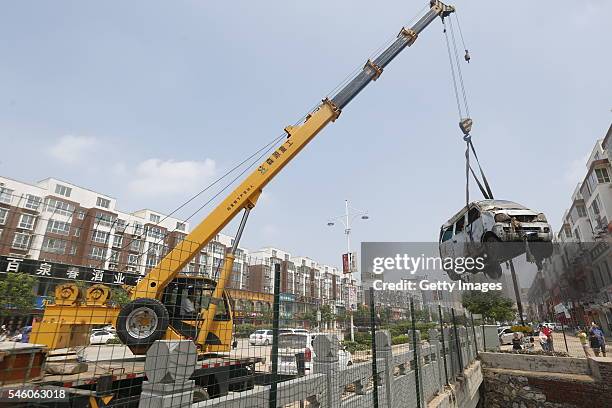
x=401 y=339
x=353 y=346
x=363 y=338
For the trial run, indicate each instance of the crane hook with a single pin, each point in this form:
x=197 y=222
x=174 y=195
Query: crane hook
x=467 y=56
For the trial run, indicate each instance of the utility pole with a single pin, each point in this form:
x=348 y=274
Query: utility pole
x=346 y=219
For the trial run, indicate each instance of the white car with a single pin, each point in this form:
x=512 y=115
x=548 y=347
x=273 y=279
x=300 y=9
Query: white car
x=506 y=335
x=291 y=344
x=478 y=229
x=101 y=337
x=264 y=337
x=261 y=338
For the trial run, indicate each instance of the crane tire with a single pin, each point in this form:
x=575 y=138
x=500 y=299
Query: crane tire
x=154 y=311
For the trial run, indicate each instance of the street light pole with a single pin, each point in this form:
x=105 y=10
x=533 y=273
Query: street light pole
x=346 y=221
x=347 y=231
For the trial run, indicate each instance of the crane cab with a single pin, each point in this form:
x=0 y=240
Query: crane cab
x=187 y=298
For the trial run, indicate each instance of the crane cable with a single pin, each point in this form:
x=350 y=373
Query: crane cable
x=465 y=122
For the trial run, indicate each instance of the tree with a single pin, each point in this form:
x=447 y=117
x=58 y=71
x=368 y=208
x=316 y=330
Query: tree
x=119 y=296
x=361 y=317
x=309 y=316
x=326 y=314
x=489 y=304
x=17 y=293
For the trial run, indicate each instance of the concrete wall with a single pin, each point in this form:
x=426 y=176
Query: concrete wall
x=535 y=363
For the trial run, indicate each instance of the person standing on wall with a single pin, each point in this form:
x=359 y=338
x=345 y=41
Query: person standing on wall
x=584 y=341
x=601 y=340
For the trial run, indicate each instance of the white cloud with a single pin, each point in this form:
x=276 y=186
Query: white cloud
x=577 y=170
x=72 y=149
x=161 y=177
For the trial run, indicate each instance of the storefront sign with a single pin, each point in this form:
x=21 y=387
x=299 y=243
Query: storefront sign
x=46 y=269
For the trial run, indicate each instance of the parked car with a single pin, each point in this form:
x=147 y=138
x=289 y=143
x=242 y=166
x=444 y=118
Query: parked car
x=264 y=337
x=291 y=344
x=261 y=338
x=101 y=337
x=506 y=335
x=497 y=231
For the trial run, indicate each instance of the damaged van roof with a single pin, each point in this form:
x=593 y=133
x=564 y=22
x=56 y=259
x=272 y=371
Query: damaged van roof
x=486 y=205
x=503 y=204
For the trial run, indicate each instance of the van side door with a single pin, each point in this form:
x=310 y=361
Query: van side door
x=474 y=231
x=446 y=242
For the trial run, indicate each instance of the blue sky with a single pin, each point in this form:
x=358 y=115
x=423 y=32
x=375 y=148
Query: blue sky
x=113 y=95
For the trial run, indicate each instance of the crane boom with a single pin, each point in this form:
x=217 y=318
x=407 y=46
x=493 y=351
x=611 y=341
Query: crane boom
x=245 y=196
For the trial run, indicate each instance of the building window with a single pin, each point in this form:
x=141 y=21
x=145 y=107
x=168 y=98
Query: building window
x=73 y=249
x=58 y=227
x=581 y=210
x=54 y=245
x=152 y=261
x=3 y=215
x=136 y=245
x=81 y=215
x=180 y=226
x=102 y=202
x=97 y=253
x=602 y=175
x=77 y=232
x=105 y=220
x=117 y=241
x=32 y=202
x=100 y=237
x=595 y=210
x=155 y=232
x=137 y=228
x=585 y=191
x=27 y=221
x=154 y=218
x=21 y=241
x=114 y=256
x=63 y=190
x=59 y=207
x=132 y=259
x=120 y=225
x=6 y=195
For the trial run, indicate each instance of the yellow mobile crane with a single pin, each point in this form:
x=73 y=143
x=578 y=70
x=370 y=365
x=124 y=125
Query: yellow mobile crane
x=151 y=314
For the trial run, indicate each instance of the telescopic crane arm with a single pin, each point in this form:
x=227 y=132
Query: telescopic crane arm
x=245 y=196
x=147 y=318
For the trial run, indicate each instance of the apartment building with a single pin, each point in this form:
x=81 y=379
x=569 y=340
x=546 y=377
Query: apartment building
x=60 y=223
x=575 y=284
x=305 y=284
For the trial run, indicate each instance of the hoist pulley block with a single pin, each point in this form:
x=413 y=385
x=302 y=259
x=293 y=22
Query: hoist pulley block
x=466 y=125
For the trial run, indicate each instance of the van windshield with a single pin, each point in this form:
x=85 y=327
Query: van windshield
x=297 y=341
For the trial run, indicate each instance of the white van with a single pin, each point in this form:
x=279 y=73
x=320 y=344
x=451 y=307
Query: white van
x=496 y=230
